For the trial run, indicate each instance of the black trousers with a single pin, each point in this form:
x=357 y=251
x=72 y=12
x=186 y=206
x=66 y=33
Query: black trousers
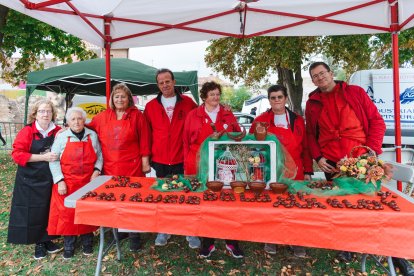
x=69 y=241
x=163 y=170
x=2 y=139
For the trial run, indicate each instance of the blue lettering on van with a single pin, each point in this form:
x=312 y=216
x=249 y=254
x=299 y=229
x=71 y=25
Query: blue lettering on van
x=377 y=101
x=370 y=92
x=407 y=96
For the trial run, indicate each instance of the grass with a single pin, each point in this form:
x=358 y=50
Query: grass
x=174 y=259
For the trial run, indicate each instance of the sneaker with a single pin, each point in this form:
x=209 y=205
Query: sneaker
x=40 y=251
x=68 y=254
x=51 y=247
x=345 y=256
x=235 y=250
x=134 y=244
x=298 y=251
x=270 y=248
x=205 y=252
x=162 y=239
x=193 y=242
x=87 y=250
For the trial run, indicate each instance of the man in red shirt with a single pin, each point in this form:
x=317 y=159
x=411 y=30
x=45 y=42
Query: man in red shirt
x=338 y=118
x=166 y=116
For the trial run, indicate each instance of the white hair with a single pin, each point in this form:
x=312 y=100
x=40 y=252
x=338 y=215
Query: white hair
x=74 y=110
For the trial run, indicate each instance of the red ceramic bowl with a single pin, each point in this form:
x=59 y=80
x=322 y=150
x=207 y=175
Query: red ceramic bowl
x=238 y=186
x=278 y=188
x=257 y=187
x=215 y=186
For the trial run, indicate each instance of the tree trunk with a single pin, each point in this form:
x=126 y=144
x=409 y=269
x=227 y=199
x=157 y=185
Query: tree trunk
x=293 y=81
x=3 y=17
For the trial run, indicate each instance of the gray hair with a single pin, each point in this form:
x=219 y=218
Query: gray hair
x=75 y=109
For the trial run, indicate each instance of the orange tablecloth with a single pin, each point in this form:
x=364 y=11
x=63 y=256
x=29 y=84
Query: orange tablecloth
x=385 y=232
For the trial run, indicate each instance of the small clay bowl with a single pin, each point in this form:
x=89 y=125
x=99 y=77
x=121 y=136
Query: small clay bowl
x=257 y=187
x=278 y=188
x=215 y=186
x=238 y=186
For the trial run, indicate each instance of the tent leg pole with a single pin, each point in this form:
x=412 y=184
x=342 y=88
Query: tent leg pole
x=108 y=58
x=396 y=83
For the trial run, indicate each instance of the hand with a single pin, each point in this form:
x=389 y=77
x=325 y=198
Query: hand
x=95 y=174
x=325 y=167
x=62 y=189
x=308 y=177
x=50 y=157
x=146 y=168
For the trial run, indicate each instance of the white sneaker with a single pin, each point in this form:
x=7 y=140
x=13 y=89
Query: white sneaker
x=270 y=248
x=193 y=242
x=162 y=239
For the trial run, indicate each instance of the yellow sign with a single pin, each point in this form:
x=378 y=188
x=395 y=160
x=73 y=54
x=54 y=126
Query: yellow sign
x=92 y=109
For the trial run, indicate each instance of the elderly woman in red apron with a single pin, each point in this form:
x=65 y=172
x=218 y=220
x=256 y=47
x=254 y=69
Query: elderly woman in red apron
x=80 y=162
x=124 y=136
x=289 y=128
x=29 y=212
x=199 y=124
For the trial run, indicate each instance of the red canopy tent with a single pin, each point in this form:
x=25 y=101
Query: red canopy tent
x=134 y=23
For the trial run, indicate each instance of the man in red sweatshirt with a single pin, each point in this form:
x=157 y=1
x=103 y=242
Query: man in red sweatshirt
x=166 y=116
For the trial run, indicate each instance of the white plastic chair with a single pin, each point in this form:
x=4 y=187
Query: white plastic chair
x=404 y=173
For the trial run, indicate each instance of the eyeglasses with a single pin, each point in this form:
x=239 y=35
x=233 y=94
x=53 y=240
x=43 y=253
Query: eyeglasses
x=280 y=97
x=320 y=74
x=41 y=111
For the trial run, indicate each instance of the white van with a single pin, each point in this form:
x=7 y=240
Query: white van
x=379 y=86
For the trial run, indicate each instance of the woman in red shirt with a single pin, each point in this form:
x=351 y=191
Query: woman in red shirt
x=29 y=212
x=289 y=129
x=124 y=137
x=199 y=124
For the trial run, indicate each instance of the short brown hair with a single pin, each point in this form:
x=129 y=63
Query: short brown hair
x=207 y=87
x=316 y=64
x=123 y=87
x=35 y=107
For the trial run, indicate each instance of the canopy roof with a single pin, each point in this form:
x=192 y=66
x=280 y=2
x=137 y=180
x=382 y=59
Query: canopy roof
x=88 y=77
x=135 y=23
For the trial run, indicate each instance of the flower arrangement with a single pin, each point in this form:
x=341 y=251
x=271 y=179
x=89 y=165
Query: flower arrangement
x=242 y=153
x=254 y=161
x=367 y=168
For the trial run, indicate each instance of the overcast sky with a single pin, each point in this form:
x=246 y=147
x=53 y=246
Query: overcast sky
x=177 y=57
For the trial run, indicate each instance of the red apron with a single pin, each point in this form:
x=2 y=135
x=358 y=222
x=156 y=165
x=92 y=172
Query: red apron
x=206 y=130
x=120 y=149
x=292 y=145
x=77 y=163
x=337 y=136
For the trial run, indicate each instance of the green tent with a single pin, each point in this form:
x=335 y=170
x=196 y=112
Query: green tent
x=88 y=78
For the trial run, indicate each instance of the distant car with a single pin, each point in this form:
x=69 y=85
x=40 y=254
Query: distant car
x=244 y=119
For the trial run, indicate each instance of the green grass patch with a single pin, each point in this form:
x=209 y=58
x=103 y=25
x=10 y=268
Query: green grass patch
x=176 y=258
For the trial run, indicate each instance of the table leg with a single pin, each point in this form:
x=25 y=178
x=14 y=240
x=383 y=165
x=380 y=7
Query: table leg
x=363 y=262
x=391 y=266
x=390 y=271
x=117 y=243
x=100 y=252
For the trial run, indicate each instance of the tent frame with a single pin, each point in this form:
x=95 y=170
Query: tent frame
x=242 y=9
